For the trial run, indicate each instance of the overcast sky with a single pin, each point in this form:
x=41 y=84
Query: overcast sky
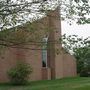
x=74 y=29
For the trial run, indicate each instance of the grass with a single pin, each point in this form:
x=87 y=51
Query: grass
x=77 y=83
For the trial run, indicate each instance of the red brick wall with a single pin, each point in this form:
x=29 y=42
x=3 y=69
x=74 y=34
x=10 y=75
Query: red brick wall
x=69 y=64
x=7 y=60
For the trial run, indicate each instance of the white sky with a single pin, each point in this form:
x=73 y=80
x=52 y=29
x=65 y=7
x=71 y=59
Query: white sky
x=80 y=30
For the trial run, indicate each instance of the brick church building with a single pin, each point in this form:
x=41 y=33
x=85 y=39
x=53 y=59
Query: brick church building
x=48 y=63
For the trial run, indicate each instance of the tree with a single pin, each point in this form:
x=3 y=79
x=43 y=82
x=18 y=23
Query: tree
x=78 y=10
x=83 y=58
x=17 y=12
x=78 y=47
x=14 y=12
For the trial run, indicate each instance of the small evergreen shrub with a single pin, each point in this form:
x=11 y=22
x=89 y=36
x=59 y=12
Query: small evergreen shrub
x=19 y=74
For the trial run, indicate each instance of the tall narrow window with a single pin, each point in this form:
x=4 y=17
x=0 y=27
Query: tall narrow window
x=44 y=52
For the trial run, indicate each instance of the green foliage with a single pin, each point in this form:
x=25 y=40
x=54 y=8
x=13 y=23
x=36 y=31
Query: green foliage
x=76 y=10
x=21 y=36
x=84 y=72
x=13 y=12
x=78 y=47
x=84 y=1
x=82 y=55
x=19 y=74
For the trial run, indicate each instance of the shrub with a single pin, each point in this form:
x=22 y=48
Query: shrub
x=84 y=72
x=19 y=74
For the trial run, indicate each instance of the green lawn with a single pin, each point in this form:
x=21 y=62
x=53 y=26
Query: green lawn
x=60 y=84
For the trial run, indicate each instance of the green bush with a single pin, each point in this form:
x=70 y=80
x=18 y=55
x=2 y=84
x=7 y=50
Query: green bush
x=84 y=72
x=19 y=74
